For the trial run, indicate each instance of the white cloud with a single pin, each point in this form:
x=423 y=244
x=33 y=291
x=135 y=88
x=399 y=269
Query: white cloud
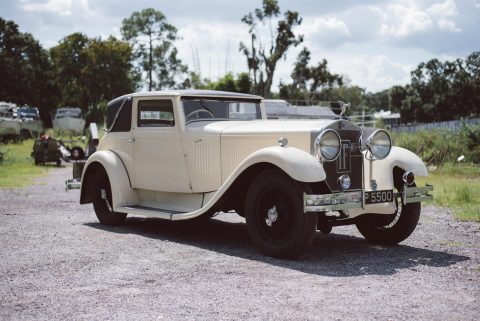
x=444 y=9
x=404 y=20
x=448 y=25
x=325 y=31
x=61 y=7
x=330 y=24
x=372 y=72
x=65 y=8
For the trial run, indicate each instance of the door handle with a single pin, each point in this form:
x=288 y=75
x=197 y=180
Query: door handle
x=131 y=140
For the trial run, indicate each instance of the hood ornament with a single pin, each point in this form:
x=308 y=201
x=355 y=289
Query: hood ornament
x=344 y=107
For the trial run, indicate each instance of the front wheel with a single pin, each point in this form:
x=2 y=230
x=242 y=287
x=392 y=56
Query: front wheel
x=274 y=214
x=102 y=204
x=398 y=227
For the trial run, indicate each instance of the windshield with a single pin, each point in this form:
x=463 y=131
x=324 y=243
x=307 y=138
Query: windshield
x=209 y=109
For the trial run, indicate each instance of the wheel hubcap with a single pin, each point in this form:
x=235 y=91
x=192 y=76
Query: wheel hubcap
x=272 y=216
x=103 y=195
x=276 y=215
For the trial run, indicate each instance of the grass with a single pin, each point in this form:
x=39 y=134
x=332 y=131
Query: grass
x=456 y=187
x=17 y=168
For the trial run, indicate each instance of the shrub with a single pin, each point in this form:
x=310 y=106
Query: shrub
x=438 y=147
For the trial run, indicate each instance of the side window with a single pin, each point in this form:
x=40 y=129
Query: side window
x=155 y=113
x=124 y=120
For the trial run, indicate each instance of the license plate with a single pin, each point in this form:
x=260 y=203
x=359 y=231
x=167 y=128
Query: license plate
x=379 y=197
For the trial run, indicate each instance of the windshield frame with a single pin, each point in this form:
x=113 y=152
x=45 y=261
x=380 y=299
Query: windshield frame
x=203 y=102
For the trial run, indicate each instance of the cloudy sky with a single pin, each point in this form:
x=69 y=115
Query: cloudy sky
x=376 y=43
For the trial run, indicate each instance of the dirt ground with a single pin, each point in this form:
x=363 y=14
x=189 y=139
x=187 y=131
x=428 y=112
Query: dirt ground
x=58 y=263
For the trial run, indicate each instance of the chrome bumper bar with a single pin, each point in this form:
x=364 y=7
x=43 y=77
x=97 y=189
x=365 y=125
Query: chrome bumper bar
x=416 y=194
x=73 y=183
x=348 y=200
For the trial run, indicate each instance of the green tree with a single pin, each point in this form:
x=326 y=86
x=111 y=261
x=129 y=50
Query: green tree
x=354 y=95
x=152 y=38
x=396 y=96
x=264 y=56
x=445 y=90
x=25 y=70
x=70 y=59
x=89 y=71
x=377 y=101
x=244 y=83
x=309 y=83
x=227 y=83
x=108 y=70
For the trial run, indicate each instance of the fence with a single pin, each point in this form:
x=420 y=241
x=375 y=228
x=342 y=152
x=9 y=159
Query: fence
x=453 y=125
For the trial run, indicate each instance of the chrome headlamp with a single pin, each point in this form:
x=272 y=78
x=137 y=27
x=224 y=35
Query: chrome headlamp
x=379 y=144
x=327 y=145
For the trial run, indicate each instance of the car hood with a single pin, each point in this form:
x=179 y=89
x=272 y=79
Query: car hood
x=258 y=128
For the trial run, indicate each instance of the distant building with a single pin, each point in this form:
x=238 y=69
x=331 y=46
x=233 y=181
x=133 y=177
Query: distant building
x=388 y=118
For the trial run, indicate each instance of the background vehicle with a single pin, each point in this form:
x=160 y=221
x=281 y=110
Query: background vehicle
x=68 y=118
x=184 y=154
x=47 y=150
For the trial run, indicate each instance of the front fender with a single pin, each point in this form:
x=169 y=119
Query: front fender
x=398 y=157
x=299 y=165
x=407 y=161
x=122 y=192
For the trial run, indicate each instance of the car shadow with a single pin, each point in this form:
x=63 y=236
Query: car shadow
x=332 y=254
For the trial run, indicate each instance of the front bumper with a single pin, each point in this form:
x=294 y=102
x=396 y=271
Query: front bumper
x=356 y=199
x=73 y=183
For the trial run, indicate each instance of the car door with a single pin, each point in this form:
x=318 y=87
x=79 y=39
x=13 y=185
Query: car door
x=159 y=162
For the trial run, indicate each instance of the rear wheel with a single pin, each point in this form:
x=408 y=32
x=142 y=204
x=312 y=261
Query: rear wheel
x=102 y=204
x=275 y=219
x=391 y=229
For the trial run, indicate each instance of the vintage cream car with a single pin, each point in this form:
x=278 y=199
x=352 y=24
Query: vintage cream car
x=180 y=155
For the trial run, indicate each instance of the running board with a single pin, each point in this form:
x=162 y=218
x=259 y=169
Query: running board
x=149 y=211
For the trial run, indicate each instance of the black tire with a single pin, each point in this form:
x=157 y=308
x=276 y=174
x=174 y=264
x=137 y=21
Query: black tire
x=103 y=209
x=77 y=153
x=293 y=230
x=397 y=228
x=325 y=229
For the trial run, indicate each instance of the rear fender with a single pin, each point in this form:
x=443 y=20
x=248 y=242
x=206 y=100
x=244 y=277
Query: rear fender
x=108 y=161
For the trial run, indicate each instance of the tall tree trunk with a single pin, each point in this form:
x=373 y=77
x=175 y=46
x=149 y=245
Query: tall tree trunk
x=254 y=58
x=150 y=63
x=269 y=71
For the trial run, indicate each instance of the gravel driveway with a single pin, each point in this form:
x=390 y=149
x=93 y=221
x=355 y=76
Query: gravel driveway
x=58 y=263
